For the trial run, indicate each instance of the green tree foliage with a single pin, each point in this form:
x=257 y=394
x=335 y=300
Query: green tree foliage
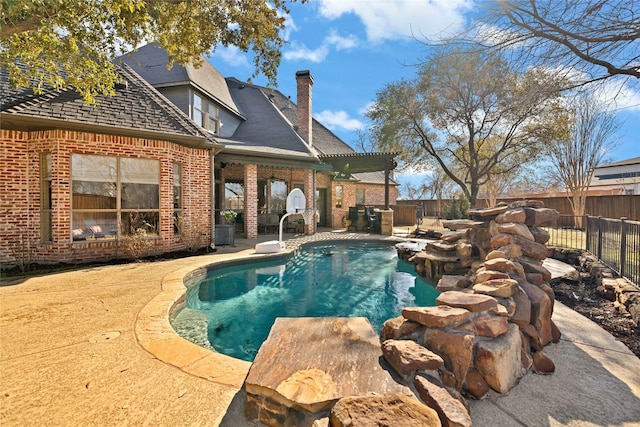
x=74 y=42
x=468 y=113
x=456 y=208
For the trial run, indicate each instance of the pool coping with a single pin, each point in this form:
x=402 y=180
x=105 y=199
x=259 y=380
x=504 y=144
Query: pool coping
x=155 y=334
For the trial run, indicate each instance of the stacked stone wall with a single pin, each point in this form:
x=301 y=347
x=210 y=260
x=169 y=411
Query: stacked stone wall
x=493 y=318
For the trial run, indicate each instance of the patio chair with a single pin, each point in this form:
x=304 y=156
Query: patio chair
x=353 y=217
x=268 y=223
x=373 y=220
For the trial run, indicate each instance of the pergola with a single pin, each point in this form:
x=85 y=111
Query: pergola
x=350 y=163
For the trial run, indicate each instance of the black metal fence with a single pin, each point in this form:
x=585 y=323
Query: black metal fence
x=616 y=242
x=569 y=232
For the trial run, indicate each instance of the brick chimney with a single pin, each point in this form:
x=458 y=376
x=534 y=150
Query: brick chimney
x=304 y=116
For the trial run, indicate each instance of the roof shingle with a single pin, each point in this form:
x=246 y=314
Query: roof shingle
x=136 y=105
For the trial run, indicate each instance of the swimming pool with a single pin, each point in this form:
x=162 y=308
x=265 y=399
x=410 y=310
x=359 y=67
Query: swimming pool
x=343 y=279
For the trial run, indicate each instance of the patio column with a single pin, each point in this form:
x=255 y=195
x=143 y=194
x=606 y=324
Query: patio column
x=310 y=200
x=251 y=201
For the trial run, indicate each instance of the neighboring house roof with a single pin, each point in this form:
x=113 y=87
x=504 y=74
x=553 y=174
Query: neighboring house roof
x=136 y=109
x=151 y=62
x=627 y=162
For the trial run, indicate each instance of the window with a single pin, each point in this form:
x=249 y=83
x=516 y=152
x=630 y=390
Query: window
x=197 y=109
x=45 y=197
x=338 y=196
x=112 y=195
x=206 y=114
x=177 y=198
x=360 y=196
x=213 y=119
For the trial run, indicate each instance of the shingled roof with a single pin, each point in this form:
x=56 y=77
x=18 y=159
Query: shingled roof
x=137 y=109
x=151 y=62
x=324 y=141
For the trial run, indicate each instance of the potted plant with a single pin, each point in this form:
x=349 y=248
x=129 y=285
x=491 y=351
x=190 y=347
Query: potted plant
x=229 y=216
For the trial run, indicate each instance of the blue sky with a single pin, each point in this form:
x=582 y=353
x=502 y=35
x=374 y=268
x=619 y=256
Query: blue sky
x=354 y=47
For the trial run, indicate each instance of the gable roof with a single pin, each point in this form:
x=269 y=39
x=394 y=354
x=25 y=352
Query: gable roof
x=150 y=61
x=137 y=109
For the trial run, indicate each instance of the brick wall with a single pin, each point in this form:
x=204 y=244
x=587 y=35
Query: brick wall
x=250 y=200
x=20 y=192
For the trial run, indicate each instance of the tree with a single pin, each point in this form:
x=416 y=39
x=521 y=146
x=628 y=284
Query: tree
x=466 y=112
x=74 y=42
x=575 y=153
x=597 y=38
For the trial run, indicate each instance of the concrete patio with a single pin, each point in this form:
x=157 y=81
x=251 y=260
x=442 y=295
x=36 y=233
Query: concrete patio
x=85 y=347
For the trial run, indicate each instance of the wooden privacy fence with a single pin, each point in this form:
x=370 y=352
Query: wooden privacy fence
x=403 y=215
x=627 y=206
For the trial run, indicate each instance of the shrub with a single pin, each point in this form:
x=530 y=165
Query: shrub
x=136 y=243
x=191 y=232
x=456 y=208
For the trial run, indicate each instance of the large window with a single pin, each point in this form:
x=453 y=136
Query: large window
x=114 y=196
x=45 y=197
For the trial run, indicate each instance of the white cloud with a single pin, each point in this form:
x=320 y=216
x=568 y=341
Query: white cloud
x=339 y=42
x=302 y=52
x=289 y=26
x=619 y=96
x=319 y=54
x=400 y=18
x=338 y=119
x=492 y=35
x=231 y=55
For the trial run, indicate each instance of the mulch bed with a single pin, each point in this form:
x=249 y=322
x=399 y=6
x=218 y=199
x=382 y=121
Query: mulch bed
x=584 y=299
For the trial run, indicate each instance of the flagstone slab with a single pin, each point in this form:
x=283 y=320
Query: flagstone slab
x=310 y=363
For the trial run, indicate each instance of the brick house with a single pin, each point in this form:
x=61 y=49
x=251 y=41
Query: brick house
x=271 y=145
x=76 y=180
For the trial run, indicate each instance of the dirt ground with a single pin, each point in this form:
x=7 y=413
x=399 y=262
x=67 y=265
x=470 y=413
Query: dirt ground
x=584 y=299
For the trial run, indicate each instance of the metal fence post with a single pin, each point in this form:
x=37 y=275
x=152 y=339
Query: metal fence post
x=586 y=234
x=599 y=254
x=623 y=244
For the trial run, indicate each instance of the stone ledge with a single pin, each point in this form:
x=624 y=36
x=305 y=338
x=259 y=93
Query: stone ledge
x=155 y=334
x=308 y=364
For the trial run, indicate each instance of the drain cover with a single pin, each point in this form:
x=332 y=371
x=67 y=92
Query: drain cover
x=104 y=337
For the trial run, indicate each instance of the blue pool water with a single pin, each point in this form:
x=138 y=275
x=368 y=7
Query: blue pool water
x=340 y=279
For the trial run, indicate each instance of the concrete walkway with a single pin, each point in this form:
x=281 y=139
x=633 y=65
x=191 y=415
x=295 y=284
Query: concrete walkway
x=71 y=353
